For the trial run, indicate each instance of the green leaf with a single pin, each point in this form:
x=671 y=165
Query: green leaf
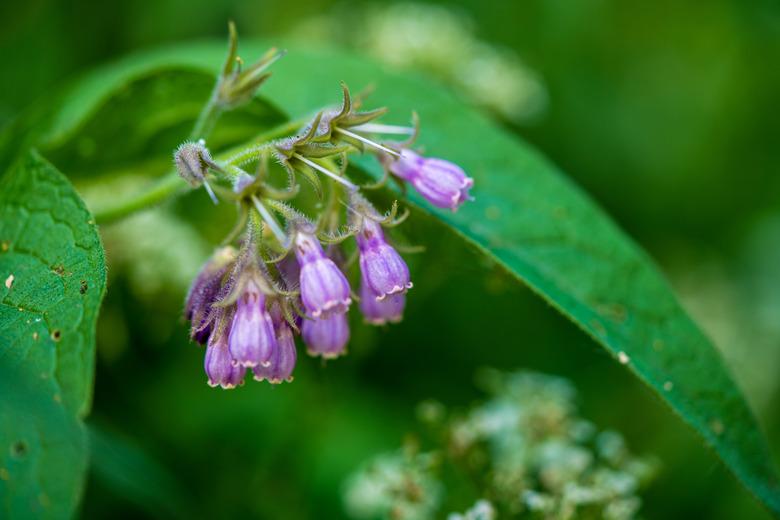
x=129 y=472
x=143 y=121
x=528 y=217
x=53 y=278
x=547 y=233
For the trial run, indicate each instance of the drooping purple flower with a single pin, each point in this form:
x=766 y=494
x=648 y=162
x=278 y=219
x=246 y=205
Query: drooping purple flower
x=379 y=312
x=382 y=268
x=326 y=336
x=324 y=288
x=283 y=360
x=284 y=356
x=219 y=366
x=204 y=291
x=442 y=183
x=252 y=340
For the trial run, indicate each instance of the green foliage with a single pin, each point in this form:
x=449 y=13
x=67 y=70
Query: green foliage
x=547 y=233
x=527 y=217
x=51 y=262
x=128 y=470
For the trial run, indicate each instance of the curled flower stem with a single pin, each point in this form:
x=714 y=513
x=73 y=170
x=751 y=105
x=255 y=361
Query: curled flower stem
x=247 y=155
x=261 y=147
x=170 y=185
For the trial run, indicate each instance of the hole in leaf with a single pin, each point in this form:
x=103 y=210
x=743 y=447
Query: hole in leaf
x=83 y=287
x=19 y=449
x=56 y=334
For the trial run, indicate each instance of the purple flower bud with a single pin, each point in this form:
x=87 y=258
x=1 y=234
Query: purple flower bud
x=324 y=288
x=204 y=291
x=326 y=337
x=252 y=340
x=283 y=358
x=241 y=182
x=219 y=366
x=382 y=268
x=192 y=162
x=442 y=183
x=379 y=312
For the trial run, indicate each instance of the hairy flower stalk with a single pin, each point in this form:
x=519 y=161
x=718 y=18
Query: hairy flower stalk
x=281 y=274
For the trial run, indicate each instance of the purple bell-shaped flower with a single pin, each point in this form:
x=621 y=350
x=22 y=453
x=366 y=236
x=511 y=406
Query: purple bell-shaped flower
x=324 y=288
x=219 y=365
x=204 y=292
x=326 y=336
x=284 y=356
x=252 y=340
x=380 y=312
x=442 y=183
x=382 y=268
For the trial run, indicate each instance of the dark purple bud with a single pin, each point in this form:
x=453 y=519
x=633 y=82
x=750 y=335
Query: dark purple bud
x=290 y=271
x=442 y=183
x=220 y=369
x=379 y=312
x=326 y=337
x=252 y=340
x=382 y=268
x=283 y=359
x=324 y=288
x=204 y=291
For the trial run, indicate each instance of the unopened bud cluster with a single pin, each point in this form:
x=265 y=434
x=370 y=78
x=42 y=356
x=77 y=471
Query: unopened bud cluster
x=282 y=274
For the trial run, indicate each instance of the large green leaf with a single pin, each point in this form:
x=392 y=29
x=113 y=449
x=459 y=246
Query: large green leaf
x=529 y=218
x=53 y=279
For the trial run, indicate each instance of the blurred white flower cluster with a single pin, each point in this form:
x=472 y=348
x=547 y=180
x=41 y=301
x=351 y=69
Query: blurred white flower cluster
x=527 y=452
x=438 y=41
x=398 y=485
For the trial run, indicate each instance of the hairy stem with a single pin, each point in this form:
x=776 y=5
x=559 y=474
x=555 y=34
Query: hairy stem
x=163 y=189
x=171 y=185
x=207 y=117
x=252 y=153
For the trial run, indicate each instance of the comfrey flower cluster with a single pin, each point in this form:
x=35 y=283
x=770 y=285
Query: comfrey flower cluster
x=279 y=273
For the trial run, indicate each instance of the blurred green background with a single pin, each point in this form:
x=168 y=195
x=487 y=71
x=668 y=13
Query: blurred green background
x=665 y=112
